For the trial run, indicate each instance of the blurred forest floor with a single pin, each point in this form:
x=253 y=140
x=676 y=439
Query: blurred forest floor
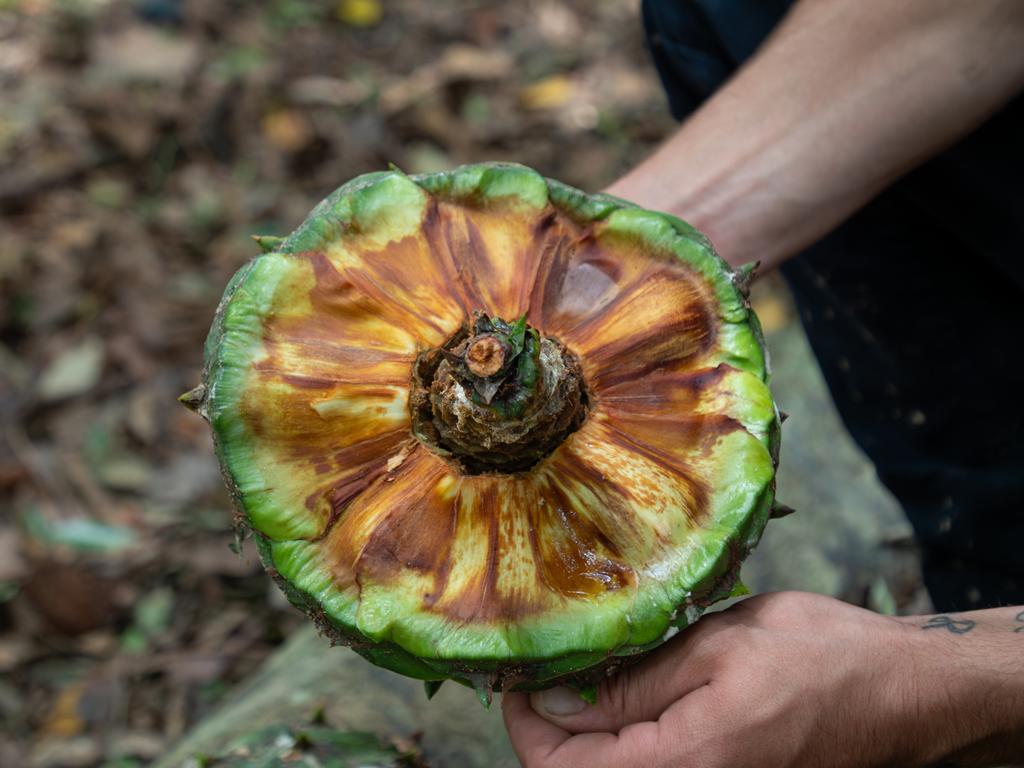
x=141 y=144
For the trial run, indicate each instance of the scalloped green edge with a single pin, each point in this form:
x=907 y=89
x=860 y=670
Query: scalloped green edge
x=421 y=645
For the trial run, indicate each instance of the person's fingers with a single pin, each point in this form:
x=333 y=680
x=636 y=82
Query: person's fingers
x=691 y=727
x=640 y=692
x=533 y=738
x=604 y=750
x=540 y=744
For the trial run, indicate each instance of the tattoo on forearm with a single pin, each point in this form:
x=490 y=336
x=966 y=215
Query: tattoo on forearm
x=955 y=626
x=1019 y=617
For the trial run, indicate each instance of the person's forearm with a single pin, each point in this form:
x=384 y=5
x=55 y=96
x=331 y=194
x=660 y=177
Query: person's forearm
x=969 y=695
x=846 y=96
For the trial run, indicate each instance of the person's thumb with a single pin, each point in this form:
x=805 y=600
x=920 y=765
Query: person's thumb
x=635 y=694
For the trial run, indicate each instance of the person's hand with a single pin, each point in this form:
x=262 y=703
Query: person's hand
x=785 y=679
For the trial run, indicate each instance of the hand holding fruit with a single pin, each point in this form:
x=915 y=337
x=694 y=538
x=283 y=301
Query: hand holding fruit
x=790 y=679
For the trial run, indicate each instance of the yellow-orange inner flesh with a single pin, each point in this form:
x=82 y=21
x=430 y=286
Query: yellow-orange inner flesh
x=328 y=401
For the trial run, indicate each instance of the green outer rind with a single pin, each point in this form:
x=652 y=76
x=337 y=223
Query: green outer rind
x=524 y=663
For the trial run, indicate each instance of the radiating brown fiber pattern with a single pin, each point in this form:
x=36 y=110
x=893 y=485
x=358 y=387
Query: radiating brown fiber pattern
x=333 y=384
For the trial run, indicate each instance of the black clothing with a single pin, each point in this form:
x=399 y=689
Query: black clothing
x=913 y=308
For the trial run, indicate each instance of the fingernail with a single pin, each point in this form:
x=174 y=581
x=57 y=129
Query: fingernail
x=560 y=702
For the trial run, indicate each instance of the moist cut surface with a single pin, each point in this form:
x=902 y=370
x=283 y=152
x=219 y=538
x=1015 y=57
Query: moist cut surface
x=487 y=427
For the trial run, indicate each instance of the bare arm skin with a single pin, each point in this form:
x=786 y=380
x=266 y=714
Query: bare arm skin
x=795 y=680
x=844 y=98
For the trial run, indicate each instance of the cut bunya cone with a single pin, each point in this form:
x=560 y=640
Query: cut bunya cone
x=486 y=427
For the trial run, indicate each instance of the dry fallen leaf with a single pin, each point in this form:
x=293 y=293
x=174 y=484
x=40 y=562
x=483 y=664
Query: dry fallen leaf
x=329 y=91
x=72 y=598
x=469 y=62
x=73 y=372
x=144 y=54
x=64 y=719
x=12 y=564
x=359 y=13
x=550 y=93
x=287 y=129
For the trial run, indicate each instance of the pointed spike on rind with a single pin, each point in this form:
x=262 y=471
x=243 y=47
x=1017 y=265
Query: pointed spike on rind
x=745 y=276
x=484 y=691
x=781 y=510
x=268 y=243
x=589 y=694
x=194 y=399
x=432 y=687
x=783 y=416
x=739 y=589
x=242 y=531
